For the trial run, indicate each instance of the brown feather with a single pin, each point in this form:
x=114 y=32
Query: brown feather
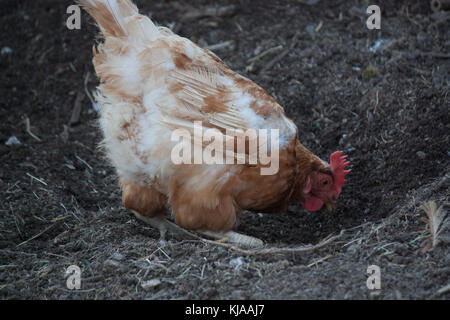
x=104 y=18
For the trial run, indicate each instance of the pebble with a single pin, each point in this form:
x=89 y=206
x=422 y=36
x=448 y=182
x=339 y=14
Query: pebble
x=342 y=140
x=237 y=263
x=5 y=51
x=112 y=263
x=310 y=29
x=421 y=37
x=117 y=256
x=376 y=46
x=239 y=295
x=353 y=248
x=150 y=284
x=12 y=141
x=421 y=154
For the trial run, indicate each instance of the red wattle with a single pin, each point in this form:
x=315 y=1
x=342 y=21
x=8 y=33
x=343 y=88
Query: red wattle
x=312 y=204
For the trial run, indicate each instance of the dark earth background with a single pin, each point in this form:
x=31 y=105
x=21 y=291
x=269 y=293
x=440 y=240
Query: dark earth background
x=379 y=95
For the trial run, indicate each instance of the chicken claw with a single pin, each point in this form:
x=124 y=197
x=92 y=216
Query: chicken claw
x=163 y=225
x=234 y=237
x=156 y=223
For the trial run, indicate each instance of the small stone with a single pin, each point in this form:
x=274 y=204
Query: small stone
x=239 y=295
x=45 y=271
x=353 y=248
x=62 y=238
x=5 y=51
x=421 y=154
x=150 y=284
x=370 y=72
x=117 y=256
x=112 y=263
x=342 y=140
x=310 y=29
x=421 y=36
x=237 y=263
x=12 y=141
x=376 y=46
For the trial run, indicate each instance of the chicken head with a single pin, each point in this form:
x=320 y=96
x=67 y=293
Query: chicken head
x=324 y=186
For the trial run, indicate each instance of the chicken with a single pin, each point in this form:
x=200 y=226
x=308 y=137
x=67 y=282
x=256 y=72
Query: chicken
x=154 y=83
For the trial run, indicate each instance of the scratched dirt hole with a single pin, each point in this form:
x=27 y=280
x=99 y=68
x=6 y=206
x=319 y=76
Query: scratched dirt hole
x=61 y=202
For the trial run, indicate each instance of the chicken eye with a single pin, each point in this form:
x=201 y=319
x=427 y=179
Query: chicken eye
x=325 y=182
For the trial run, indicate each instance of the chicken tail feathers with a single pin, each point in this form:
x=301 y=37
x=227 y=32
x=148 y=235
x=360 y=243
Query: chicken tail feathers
x=119 y=18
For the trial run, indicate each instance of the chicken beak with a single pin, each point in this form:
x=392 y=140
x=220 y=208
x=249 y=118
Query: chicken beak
x=331 y=205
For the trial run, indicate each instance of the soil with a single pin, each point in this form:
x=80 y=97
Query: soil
x=379 y=95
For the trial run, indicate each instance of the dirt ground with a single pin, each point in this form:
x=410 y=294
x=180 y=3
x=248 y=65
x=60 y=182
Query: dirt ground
x=379 y=95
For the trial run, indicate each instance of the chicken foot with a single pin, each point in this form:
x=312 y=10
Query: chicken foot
x=163 y=225
x=234 y=237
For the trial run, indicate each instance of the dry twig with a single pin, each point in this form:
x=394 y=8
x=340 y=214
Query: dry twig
x=76 y=111
x=262 y=54
x=220 y=45
x=276 y=250
x=443 y=290
x=213 y=11
x=37 y=235
x=86 y=80
x=272 y=62
x=37 y=179
x=319 y=261
x=28 y=129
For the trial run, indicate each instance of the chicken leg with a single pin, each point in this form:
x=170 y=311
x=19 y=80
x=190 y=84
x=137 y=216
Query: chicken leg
x=163 y=225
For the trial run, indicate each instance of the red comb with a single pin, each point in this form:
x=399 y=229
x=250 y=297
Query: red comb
x=338 y=163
